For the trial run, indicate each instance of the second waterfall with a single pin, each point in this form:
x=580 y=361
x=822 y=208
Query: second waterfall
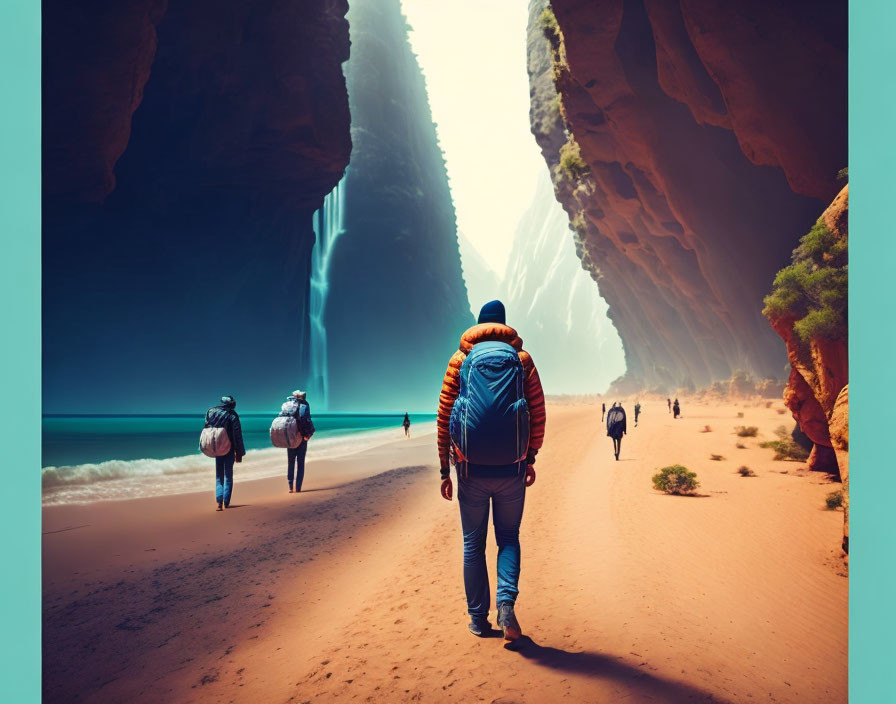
x=329 y=224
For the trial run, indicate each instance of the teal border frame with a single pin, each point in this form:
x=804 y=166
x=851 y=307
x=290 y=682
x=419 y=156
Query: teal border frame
x=20 y=350
x=872 y=136
x=872 y=340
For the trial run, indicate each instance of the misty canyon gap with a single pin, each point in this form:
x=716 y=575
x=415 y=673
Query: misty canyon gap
x=691 y=144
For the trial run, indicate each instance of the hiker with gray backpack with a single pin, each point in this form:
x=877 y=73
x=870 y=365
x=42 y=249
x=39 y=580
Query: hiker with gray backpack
x=491 y=424
x=222 y=438
x=292 y=429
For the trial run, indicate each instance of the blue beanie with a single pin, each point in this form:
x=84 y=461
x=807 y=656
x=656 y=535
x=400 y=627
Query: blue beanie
x=493 y=312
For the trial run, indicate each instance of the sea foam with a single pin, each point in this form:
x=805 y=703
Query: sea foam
x=117 y=480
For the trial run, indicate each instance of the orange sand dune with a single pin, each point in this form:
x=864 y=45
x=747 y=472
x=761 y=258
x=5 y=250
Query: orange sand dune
x=354 y=591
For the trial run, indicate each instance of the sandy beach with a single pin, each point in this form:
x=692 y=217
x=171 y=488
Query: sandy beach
x=352 y=590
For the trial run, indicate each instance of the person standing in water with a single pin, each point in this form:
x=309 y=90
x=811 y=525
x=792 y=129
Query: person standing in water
x=637 y=412
x=295 y=456
x=406 y=423
x=616 y=426
x=225 y=416
x=676 y=409
x=495 y=380
x=603 y=411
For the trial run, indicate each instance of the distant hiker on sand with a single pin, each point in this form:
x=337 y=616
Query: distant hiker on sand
x=490 y=426
x=406 y=423
x=676 y=409
x=616 y=426
x=225 y=418
x=300 y=409
x=603 y=410
x=669 y=403
x=637 y=412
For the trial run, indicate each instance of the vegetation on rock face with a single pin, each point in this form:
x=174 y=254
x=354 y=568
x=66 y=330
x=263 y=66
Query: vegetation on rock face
x=813 y=289
x=676 y=479
x=571 y=165
x=549 y=25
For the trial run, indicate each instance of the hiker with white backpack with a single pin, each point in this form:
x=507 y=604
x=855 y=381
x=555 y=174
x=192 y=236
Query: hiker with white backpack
x=490 y=427
x=292 y=430
x=222 y=438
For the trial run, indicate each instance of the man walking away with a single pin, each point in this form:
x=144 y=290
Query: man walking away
x=676 y=409
x=637 y=412
x=669 y=403
x=225 y=416
x=603 y=410
x=295 y=456
x=490 y=426
x=616 y=426
x=406 y=423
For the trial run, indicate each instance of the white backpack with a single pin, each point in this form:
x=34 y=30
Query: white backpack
x=213 y=442
x=285 y=428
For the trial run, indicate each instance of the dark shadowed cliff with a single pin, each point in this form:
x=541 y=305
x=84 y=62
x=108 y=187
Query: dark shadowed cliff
x=691 y=143
x=186 y=146
x=397 y=300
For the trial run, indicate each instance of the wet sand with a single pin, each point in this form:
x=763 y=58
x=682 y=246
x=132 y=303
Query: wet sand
x=353 y=589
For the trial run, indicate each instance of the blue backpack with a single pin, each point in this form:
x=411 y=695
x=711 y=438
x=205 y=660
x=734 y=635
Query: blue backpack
x=489 y=422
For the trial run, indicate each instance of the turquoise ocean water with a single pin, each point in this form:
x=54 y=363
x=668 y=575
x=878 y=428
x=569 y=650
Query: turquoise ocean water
x=75 y=440
x=115 y=457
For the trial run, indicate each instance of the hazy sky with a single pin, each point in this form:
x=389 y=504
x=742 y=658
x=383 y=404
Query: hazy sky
x=473 y=55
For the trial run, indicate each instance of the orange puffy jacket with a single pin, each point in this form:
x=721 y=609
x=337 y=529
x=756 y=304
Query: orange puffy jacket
x=451 y=387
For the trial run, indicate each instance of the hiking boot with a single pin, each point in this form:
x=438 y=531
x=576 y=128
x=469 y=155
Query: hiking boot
x=507 y=621
x=479 y=626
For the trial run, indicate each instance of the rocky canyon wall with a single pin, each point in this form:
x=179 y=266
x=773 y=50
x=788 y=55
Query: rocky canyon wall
x=690 y=143
x=397 y=302
x=186 y=146
x=808 y=309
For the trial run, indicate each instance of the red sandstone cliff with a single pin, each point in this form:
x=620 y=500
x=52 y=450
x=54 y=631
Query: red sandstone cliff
x=817 y=391
x=708 y=134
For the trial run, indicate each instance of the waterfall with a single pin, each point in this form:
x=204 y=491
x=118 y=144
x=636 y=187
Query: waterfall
x=329 y=224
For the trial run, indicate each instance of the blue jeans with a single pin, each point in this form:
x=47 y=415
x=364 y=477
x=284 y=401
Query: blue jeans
x=295 y=458
x=224 y=478
x=507 y=496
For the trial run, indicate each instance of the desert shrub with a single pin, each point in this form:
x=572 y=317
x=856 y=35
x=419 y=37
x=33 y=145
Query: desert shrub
x=746 y=431
x=786 y=450
x=745 y=471
x=676 y=479
x=781 y=411
x=740 y=414
x=716 y=458
x=834 y=499
x=706 y=429
x=740 y=446
x=785 y=447
x=571 y=165
x=768 y=404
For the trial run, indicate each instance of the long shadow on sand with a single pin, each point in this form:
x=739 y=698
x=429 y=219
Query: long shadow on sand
x=612 y=670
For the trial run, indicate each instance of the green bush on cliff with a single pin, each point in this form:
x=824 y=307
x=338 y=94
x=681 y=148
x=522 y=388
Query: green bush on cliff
x=548 y=22
x=813 y=289
x=572 y=167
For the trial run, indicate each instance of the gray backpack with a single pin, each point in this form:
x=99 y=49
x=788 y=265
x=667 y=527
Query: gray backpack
x=214 y=442
x=285 y=428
